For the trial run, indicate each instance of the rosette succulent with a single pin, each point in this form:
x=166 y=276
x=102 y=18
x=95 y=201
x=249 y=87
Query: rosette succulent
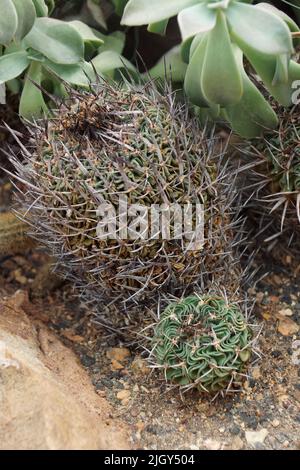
x=217 y=37
x=38 y=54
x=136 y=142
x=202 y=342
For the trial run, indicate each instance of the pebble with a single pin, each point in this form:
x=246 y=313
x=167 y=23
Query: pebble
x=123 y=395
x=211 y=444
x=275 y=423
x=87 y=361
x=256 y=438
x=234 y=430
x=286 y=312
x=287 y=327
x=237 y=443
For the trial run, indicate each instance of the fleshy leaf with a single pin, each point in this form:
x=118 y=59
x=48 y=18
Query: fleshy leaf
x=252 y=114
x=96 y=11
x=260 y=29
x=196 y=19
x=86 y=33
x=107 y=62
x=40 y=8
x=138 y=12
x=69 y=73
x=112 y=42
x=8 y=21
x=192 y=82
x=268 y=7
x=32 y=103
x=12 y=65
x=26 y=17
x=159 y=28
x=57 y=40
x=221 y=80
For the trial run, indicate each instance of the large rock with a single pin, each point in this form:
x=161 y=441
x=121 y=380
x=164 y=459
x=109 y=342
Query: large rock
x=46 y=398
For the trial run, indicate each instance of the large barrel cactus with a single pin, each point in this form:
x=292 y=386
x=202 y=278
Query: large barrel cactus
x=126 y=141
x=202 y=342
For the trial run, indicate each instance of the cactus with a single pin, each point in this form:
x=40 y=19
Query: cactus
x=126 y=140
x=202 y=342
x=275 y=180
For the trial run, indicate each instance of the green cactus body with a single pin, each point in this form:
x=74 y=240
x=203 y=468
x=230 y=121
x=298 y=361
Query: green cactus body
x=203 y=342
x=136 y=142
x=275 y=180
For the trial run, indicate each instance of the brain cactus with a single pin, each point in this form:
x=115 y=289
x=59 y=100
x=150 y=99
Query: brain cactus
x=275 y=180
x=202 y=342
x=132 y=142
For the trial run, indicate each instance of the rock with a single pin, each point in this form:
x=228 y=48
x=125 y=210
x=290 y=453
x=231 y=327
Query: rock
x=139 y=367
x=287 y=327
x=47 y=401
x=123 y=394
x=237 y=443
x=118 y=354
x=256 y=372
x=286 y=312
x=256 y=438
x=234 y=430
x=211 y=444
x=275 y=423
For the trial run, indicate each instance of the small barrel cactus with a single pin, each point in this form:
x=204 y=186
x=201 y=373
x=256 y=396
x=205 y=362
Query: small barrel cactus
x=275 y=180
x=202 y=342
x=128 y=141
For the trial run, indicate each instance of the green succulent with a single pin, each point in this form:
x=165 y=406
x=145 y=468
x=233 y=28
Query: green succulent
x=46 y=52
x=127 y=140
x=202 y=342
x=216 y=38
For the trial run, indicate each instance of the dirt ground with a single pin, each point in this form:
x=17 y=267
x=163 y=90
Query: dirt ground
x=264 y=414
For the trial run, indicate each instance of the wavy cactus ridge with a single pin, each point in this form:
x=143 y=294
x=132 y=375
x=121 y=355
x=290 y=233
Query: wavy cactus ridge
x=202 y=342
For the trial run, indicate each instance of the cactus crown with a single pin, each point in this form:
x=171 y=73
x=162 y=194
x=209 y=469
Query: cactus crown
x=131 y=141
x=203 y=342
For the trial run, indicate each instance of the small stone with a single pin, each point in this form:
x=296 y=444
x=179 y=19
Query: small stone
x=286 y=312
x=259 y=297
x=276 y=353
x=116 y=365
x=222 y=430
x=118 y=354
x=87 y=361
x=211 y=444
x=286 y=444
x=256 y=373
x=234 y=430
x=194 y=447
x=287 y=327
x=275 y=423
x=237 y=443
x=123 y=395
x=256 y=438
x=140 y=425
x=139 y=366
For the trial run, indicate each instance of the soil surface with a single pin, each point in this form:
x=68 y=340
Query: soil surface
x=264 y=414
